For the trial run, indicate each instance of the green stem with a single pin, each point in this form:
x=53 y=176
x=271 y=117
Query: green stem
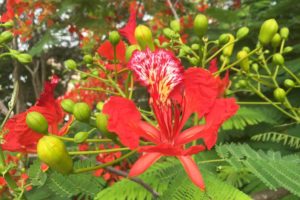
x=212 y=161
x=291 y=73
x=99 y=89
x=87 y=140
x=219 y=51
x=76 y=171
x=93 y=76
x=256 y=103
x=98 y=151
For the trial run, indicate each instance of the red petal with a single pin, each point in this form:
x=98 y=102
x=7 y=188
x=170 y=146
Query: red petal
x=213 y=66
x=143 y=163
x=150 y=132
x=192 y=171
x=106 y=50
x=124 y=119
x=189 y=134
x=222 y=110
x=201 y=90
x=128 y=30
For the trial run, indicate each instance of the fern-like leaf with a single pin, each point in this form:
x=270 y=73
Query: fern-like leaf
x=285 y=139
x=250 y=116
x=36 y=175
x=271 y=168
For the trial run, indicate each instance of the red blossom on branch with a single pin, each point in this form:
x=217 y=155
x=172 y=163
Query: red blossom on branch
x=20 y=137
x=175 y=94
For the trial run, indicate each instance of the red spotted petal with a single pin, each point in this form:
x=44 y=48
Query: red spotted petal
x=124 y=119
x=143 y=163
x=128 y=30
x=159 y=71
x=192 y=171
x=106 y=50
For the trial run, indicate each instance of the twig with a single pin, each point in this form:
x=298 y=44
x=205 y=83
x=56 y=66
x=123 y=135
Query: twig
x=173 y=9
x=134 y=179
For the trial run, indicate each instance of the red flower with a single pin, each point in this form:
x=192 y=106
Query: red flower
x=106 y=50
x=174 y=95
x=19 y=136
x=128 y=30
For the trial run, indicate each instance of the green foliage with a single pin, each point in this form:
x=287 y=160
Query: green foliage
x=282 y=138
x=251 y=116
x=36 y=175
x=273 y=169
x=171 y=181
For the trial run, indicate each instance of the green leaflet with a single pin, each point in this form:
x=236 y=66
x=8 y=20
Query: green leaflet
x=271 y=168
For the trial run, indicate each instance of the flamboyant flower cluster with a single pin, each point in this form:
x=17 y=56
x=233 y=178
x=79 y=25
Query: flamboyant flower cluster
x=175 y=94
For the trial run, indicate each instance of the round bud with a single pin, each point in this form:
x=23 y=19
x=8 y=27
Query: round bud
x=53 y=152
x=169 y=33
x=6 y=36
x=129 y=50
x=242 y=83
x=224 y=38
x=175 y=25
x=37 y=122
x=67 y=105
x=247 y=49
x=82 y=112
x=95 y=72
x=100 y=105
x=114 y=38
x=242 y=32
x=70 y=64
x=284 y=32
x=227 y=51
x=143 y=36
x=267 y=31
x=276 y=40
x=195 y=46
x=24 y=58
x=200 y=25
x=287 y=49
x=278 y=59
x=288 y=83
x=244 y=63
x=101 y=124
x=279 y=94
x=87 y=59
x=80 y=137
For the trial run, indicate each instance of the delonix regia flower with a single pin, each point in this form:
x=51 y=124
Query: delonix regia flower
x=175 y=94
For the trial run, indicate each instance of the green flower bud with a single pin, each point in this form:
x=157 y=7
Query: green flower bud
x=287 y=49
x=169 y=33
x=195 y=46
x=242 y=32
x=267 y=31
x=80 y=137
x=67 y=105
x=242 y=83
x=224 y=38
x=143 y=36
x=8 y=24
x=101 y=124
x=114 y=38
x=70 y=64
x=95 y=72
x=23 y=58
x=255 y=67
x=200 y=25
x=247 y=49
x=88 y=59
x=276 y=40
x=279 y=94
x=284 y=33
x=227 y=51
x=83 y=76
x=100 y=105
x=53 y=152
x=288 y=83
x=175 y=25
x=244 y=63
x=130 y=49
x=82 y=112
x=6 y=36
x=37 y=122
x=278 y=59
